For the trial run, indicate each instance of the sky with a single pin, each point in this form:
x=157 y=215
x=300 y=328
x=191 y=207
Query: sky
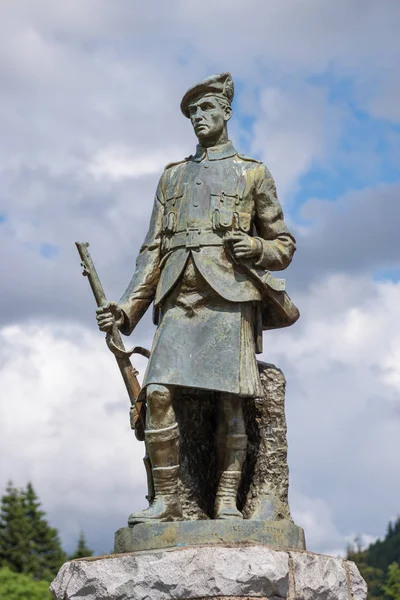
x=89 y=115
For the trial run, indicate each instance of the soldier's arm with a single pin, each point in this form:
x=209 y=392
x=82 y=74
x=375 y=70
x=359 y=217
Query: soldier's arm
x=278 y=245
x=142 y=288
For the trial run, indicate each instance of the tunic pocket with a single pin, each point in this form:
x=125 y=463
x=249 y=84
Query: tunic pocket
x=244 y=222
x=226 y=198
x=171 y=199
x=229 y=199
x=169 y=222
x=222 y=219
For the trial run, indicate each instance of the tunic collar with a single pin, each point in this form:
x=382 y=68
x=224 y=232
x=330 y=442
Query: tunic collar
x=215 y=152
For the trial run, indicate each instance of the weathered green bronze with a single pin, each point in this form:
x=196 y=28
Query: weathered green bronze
x=216 y=232
x=154 y=536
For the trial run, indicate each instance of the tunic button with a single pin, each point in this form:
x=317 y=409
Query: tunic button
x=198 y=182
x=206 y=166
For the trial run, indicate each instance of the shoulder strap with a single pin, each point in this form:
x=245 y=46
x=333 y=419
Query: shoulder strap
x=249 y=159
x=178 y=162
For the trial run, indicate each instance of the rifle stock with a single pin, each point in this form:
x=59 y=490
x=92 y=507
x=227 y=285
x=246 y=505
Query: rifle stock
x=128 y=372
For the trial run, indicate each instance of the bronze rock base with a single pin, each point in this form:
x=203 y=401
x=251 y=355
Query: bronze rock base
x=155 y=536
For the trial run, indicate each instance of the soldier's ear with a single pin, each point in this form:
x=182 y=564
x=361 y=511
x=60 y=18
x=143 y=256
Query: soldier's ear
x=227 y=112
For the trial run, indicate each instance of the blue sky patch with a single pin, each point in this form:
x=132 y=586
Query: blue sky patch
x=389 y=274
x=48 y=250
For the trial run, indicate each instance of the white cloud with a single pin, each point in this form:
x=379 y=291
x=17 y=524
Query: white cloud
x=120 y=162
x=315 y=516
x=64 y=418
x=89 y=114
x=343 y=401
x=64 y=425
x=294 y=131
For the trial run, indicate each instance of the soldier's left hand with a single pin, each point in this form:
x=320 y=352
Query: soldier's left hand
x=245 y=246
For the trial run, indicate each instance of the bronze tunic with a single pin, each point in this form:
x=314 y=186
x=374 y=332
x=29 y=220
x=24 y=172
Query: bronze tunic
x=209 y=306
x=204 y=341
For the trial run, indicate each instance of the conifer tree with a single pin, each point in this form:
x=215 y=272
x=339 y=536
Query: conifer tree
x=376 y=563
x=15 y=530
x=82 y=549
x=27 y=542
x=46 y=554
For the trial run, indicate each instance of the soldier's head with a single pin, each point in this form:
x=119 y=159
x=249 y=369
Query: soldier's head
x=208 y=106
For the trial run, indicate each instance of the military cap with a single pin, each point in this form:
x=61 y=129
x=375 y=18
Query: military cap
x=217 y=85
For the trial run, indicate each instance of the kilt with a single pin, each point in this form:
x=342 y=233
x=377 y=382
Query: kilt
x=204 y=341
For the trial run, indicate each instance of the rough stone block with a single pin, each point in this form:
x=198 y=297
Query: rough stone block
x=316 y=576
x=210 y=572
x=356 y=583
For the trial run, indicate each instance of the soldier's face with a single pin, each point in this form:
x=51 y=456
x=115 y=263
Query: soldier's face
x=208 y=117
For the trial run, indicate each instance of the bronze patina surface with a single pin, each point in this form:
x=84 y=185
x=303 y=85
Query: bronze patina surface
x=155 y=536
x=214 y=430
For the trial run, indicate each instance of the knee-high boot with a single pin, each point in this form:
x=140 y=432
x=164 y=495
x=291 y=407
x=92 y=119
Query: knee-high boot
x=225 y=506
x=163 y=450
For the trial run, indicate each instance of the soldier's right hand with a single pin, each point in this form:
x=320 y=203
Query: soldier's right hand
x=108 y=314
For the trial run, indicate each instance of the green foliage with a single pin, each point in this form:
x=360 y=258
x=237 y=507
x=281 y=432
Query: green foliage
x=387 y=551
x=392 y=587
x=82 y=549
x=376 y=564
x=27 y=542
x=374 y=577
x=16 y=586
x=15 y=530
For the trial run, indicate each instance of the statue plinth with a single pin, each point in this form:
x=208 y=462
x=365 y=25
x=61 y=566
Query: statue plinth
x=201 y=573
x=152 y=536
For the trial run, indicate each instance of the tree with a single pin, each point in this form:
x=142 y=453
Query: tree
x=392 y=586
x=45 y=549
x=374 y=562
x=82 y=549
x=383 y=553
x=374 y=577
x=16 y=586
x=27 y=542
x=15 y=530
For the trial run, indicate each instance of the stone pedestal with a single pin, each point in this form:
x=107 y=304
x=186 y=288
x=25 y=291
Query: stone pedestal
x=211 y=572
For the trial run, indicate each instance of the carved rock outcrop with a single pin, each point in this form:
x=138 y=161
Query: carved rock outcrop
x=263 y=493
x=209 y=573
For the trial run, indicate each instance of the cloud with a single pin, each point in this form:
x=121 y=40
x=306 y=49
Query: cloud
x=356 y=233
x=65 y=424
x=118 y=163
x=343 y=400
x=65 y=427
x=294 y=130
x=89 y=112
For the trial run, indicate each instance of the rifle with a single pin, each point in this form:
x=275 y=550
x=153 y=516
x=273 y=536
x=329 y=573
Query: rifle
x=128 y=372
x=115 y=344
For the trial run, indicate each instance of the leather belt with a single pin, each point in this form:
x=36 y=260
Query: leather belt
x=195 y=237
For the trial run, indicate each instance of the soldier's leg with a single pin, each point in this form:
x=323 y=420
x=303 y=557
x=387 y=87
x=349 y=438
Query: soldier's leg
x=162 y=443
x=231 y=447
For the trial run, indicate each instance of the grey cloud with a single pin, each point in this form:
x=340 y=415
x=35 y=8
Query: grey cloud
x=77 y=81
x=84 y=77
x=342 y=401
x=356 y=234
x=70 y=211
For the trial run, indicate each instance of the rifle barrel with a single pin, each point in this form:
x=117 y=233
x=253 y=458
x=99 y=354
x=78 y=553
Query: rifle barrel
x=128 y=372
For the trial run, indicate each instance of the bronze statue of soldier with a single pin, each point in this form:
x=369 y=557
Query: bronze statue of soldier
x=216 y=231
